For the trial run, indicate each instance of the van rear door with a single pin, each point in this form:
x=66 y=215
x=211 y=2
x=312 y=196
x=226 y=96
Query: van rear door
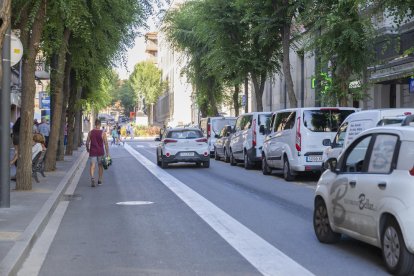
x=316 y=125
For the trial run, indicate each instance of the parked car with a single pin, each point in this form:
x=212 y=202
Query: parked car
x=358 y=122
x=183 y=145
x=294 y=143
x=247 y=139
x=367 y=194
x=222 y=144
x=211 y=126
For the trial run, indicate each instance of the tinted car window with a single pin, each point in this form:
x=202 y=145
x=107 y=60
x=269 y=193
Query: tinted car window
x=265 y=119
x=239 y=123
x=290 y=121
x=324 y=120
x=184 y=134
x=382 y=153
x=247 y=122
x=217 y=125
x=280 y=121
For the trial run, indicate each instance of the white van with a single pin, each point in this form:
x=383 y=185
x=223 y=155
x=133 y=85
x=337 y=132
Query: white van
x=295 y=140
x=358 y=122
x=211 y=126
x=247 y=139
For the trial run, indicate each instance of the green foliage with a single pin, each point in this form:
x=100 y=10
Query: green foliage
x=344 y=44
x=146 y=82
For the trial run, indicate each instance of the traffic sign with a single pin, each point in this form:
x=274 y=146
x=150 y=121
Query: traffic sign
x=16 y=50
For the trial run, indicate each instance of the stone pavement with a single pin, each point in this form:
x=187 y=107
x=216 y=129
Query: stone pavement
x=29 y=212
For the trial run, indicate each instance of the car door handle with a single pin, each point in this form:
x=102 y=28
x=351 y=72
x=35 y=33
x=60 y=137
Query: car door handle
x=382 y=185
x=352 y=183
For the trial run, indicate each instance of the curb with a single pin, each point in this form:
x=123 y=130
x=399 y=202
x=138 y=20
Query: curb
x=14 y=259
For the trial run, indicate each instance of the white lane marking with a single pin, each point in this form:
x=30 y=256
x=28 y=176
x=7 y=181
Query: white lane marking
x=267 y=259
x=135 y=203
x=37 y=256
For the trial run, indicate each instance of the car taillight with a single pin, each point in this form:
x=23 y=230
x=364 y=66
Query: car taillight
x=254 y=133
x=298 y=136
x=407 y=113
x=208 y=130
x=202 y=140
x=412 y=171
x=166 y=141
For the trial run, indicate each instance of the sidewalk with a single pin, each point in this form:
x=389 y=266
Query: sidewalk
x=29 y=212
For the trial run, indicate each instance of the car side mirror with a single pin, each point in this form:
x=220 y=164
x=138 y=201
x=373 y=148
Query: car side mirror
x=262 y=129
x=326 y=142
x=157 y=139
x=332 y=163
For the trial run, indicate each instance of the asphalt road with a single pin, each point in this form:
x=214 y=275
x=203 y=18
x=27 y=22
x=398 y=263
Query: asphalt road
x=218 y=221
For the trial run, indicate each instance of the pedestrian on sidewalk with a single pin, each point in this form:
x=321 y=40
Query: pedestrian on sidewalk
x=44 y=129
x=95 y=146
x=114 y=135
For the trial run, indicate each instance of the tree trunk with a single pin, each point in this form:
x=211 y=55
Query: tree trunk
x=31 y=40
x=51 y=154
x=66 y=91
x=71 y=113
x=78 y=122
x=236 y=100
x=212 y=97
x=286 y=65
x=5 y=14
x=258 y=83
x=246 y=95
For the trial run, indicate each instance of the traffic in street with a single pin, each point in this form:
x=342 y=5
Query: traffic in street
x=190 y=220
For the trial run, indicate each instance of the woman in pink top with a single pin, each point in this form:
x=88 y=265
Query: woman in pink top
x=95 y=146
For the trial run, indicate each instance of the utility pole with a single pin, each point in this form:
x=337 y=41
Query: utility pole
x=5 y=124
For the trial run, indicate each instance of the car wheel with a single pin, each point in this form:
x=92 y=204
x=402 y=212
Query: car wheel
x=226 y=156
x=206 y=164
x=247 y=163
x=198 y=164
x=216 y=157
x=232 y=160
x=321 y=224
x=396 y=256
x=158 y=161
x=265 y=167
x=164 y=164
x=287 y=174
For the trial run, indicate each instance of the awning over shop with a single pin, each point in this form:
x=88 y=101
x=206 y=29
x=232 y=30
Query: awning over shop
x=398 y=69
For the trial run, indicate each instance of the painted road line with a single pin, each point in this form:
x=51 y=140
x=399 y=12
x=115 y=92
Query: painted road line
x=267 y=259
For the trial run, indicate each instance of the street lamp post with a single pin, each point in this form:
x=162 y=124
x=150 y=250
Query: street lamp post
x=5 y=124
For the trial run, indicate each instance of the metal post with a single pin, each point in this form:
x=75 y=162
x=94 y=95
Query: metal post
x=5 y=124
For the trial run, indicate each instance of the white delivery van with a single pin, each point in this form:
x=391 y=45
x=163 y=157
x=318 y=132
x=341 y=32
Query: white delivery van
x=295 y=140
x=211 y=126
x=247 y=139
x=358 y=122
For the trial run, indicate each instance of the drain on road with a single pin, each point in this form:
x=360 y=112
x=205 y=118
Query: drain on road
x=71 y=197
x=135 y=203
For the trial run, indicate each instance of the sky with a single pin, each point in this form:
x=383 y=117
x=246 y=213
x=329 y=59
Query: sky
x=134 y=55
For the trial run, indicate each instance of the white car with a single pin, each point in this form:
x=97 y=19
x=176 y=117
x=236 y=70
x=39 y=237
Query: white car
x=183 y=145
x=368 y=194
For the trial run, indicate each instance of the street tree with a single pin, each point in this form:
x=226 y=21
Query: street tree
x=343 y=39
x=29 y=18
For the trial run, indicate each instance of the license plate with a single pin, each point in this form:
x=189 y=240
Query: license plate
x=187 y=154
x=314 y=158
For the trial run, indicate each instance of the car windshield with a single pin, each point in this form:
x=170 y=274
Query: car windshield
x=324 y=120
x=390 y=121
x=218 y=125
x=184 y=134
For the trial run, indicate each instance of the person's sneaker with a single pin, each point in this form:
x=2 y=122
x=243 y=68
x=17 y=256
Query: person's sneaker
x=99 y=182
x=93 y=182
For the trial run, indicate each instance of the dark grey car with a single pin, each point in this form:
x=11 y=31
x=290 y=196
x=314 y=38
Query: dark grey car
x=222 y=144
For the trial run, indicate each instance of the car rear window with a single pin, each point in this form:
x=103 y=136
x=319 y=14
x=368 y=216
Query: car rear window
x=184 y=134
x=264 y=119
x=324 y=120
x=390 y=121
x=218 y=125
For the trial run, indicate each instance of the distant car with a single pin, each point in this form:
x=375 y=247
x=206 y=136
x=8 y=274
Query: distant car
x=211 y=126
x=222 y=144
x=183 y=145
x=367 y=194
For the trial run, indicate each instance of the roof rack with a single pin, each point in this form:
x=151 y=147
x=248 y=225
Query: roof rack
x=409 y=119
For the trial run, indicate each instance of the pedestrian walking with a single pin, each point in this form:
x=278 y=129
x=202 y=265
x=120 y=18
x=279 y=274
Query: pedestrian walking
x=95 y=144
x=44 y=129
x=114 y=135
x=35 y=124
